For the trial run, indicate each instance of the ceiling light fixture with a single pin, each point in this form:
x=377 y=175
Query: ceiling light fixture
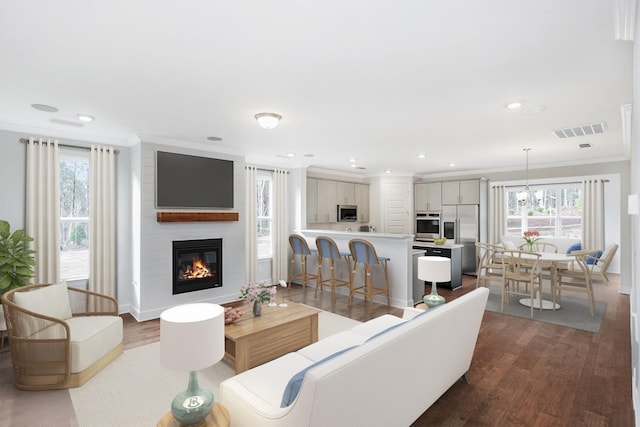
x=85 y=118
x=387 y=171
x=291 y=154
x=268 y=120
x=352 y=160
x=422 y=156
x=526 y=197
x=514 y=105
x=452 y=165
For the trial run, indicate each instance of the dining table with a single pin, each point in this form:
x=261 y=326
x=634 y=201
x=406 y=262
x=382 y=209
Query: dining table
x=550 y=260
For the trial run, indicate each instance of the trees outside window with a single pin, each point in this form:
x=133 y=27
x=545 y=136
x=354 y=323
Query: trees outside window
x=74 y=216
x=264 y=215
x=551 y=210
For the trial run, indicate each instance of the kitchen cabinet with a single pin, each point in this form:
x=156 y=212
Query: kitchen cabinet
x=455 y=254
x=327 y=200
x=465 y=192
x=312 y=201
x=427 y=196
x=362 y=201
x=346 y=193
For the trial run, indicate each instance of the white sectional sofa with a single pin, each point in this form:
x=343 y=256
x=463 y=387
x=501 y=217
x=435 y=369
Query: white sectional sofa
x=384 y=372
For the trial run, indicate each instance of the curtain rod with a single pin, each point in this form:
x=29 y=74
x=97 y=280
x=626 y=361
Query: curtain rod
x=265 y=169
x=551 y=183
x=25 y=140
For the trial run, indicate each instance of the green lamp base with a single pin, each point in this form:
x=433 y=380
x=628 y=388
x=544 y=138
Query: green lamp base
x=192 y=406
x=433 y=298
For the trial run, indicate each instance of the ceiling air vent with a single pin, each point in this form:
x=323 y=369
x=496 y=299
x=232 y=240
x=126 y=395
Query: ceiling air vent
x=581 y=130
x=585 y=145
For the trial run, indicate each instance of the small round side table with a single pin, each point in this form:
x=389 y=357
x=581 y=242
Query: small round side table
x=219 y=417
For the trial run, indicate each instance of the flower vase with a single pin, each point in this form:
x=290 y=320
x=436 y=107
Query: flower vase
x=257 y=308
x=530 y=247
x=433 y=299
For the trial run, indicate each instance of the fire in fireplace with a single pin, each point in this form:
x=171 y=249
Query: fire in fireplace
x=197 y=265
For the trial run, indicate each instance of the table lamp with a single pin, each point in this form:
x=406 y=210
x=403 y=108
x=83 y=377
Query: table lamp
x=434 y=269
x=192 y=338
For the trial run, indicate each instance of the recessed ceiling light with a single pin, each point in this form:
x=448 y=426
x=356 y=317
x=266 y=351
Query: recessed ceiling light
x=214 y=138
x=514 y=105
x=422 y=156
x=85 y=118
x=452 y=165
x=352 y=160
x=291 y=154
x=387 y=171
x=43 y=107
x=353 y=165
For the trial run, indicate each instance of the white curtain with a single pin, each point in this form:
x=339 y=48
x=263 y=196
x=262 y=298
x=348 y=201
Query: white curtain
x=43 y=207
x=593 y=214
x=280 y=226
x=251 y=238
x=102 y=221
x=498 y=212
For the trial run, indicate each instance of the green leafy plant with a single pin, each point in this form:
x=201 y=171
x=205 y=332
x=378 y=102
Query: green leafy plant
x=16 y=259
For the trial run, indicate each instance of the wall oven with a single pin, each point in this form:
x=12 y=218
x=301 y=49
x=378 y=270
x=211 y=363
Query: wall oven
x=428 y=226
x=347 y=213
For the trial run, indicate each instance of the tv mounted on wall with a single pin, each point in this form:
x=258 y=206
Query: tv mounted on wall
x=184 y=181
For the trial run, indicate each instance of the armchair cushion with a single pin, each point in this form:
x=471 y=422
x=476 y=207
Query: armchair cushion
x=52 y=301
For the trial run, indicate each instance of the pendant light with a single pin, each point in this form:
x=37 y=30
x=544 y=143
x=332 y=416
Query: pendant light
x=528 y=195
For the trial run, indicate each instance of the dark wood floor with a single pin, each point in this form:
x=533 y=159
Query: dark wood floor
x=524 y=372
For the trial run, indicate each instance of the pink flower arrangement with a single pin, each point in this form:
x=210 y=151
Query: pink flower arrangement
x=257 y=291
x=531 y=237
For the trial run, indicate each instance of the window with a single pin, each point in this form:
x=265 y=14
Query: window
x=74 y=215
x=264 y=215
x=551 y=210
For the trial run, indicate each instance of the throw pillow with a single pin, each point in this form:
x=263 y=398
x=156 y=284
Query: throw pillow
x=509 y=245
x=574 y=247
x=52 y=301
x=293 y=386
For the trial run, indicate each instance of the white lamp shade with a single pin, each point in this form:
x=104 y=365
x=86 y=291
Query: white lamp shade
x=191 y=336
x=434 y=269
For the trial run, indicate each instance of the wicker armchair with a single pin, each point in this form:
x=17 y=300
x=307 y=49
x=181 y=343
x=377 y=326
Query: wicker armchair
x=56 y=346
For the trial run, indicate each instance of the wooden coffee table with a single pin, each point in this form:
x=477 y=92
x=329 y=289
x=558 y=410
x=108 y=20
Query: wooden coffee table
x=251 y=341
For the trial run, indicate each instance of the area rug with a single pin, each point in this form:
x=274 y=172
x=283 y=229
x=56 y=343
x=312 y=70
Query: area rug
x=136 y=391
x=574 y=312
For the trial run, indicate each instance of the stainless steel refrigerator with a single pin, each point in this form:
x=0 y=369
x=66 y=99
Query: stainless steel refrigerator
x=461 y=225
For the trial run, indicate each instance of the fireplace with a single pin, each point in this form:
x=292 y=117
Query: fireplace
x=197 y=265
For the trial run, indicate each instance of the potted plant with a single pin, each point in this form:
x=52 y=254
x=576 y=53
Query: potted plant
x=16 y=262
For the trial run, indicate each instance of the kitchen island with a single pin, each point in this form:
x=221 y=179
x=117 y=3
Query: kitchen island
x=396 y=247
x=451 y=251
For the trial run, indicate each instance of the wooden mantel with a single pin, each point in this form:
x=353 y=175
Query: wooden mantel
x=196 y=216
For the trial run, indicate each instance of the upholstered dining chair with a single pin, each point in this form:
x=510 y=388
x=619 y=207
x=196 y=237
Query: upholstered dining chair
x=363 y=254
x=576 y=277
x=329 y=255
x=300 y=253
x=489 y=263
x=521 y=268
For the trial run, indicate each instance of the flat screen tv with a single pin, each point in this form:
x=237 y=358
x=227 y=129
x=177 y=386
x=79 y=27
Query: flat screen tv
x=184 y=181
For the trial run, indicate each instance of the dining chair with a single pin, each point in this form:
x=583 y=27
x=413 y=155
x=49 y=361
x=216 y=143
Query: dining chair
x=518 y=268
x=600 y=265
x=576 y=277
x=488 y=262
x=329 y=254
x=300 y=254
x=363 y=254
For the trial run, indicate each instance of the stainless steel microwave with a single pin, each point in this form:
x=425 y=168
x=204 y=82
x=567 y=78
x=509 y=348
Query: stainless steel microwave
x=347 y=213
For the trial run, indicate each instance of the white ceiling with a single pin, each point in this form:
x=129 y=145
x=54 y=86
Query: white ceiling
x=381 y=81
